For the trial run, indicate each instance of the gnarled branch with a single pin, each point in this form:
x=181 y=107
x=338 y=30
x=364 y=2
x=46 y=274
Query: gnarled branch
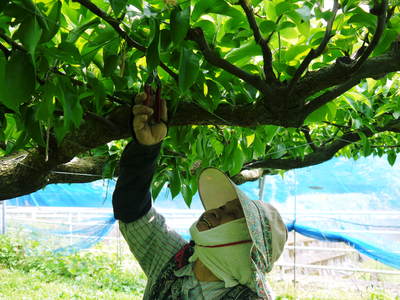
x=315 y=53
x=380 y=27
x=266 y=51
x=197 y=35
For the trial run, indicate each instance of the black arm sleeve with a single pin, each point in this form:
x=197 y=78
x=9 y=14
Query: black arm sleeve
x=131 y=197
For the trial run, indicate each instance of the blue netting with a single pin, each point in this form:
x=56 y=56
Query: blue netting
x=355 y=202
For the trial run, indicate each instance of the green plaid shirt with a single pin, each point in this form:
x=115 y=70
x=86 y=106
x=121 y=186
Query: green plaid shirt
x=153 y=244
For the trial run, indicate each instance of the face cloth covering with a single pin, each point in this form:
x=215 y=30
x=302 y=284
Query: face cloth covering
x=225 y=251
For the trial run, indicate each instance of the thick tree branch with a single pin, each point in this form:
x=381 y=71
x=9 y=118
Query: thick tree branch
x=197 y=35
x=380 y=27
x=24 y=173
x=340 y=72
x=315 y=53
x=79 y=170
x=116 y=24
x=266 y=51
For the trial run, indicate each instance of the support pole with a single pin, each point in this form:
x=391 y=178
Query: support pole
x=261 y=186
x=3 y=217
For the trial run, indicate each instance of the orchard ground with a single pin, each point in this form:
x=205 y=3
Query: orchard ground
x=27 y=271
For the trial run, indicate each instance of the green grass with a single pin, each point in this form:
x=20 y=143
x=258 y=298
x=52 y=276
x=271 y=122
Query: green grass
x=28 y=271
x=17 y=284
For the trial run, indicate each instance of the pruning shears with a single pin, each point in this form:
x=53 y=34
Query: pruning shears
x=152 y=89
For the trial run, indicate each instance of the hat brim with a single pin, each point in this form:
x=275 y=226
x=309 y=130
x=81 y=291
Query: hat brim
x=215 y=188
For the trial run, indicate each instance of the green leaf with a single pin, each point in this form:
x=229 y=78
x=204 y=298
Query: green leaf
x=366 y=144
x=388 y=37
x=214 y=6
x=267 y=26
x=258 y=146
x=46 y=106
x=188 y=69
x=317 y=115
x=153 y=51
x=157 y=186
x=187 y=194
x=180 y=21
x=109 y=168
x=110 y=64
x=283 y=7
x=285 y=25
x=33 y=127
x=68 y=96
x=270 y=132
x=78 y=31
x=165 y=39
x=19 y=80
x=246 y=51
x=29 y=33
x=218 y=146
x=363 y=18
x=60 y=130
x=118 y=6
x=296 y=51
x=392 y=157
x=3 y=86
x=99 y=92
x=209 y=29
x=279 y=151
x=175 y=182
x=238 y=161
x=136 y=3
x=53 y=19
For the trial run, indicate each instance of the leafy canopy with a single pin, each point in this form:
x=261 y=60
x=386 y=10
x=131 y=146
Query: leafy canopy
x=266 y=72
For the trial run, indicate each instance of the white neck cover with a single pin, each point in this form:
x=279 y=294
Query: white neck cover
x=230 y=263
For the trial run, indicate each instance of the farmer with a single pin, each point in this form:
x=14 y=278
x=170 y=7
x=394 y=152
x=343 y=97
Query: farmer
x=234 y=243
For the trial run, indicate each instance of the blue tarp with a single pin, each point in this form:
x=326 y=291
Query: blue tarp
x=356 y=202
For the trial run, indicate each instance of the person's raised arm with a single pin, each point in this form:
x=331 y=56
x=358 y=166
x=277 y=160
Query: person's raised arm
x=149 y=238
x=131 y=197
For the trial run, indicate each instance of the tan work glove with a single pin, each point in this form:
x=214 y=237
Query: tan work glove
x=146 y=130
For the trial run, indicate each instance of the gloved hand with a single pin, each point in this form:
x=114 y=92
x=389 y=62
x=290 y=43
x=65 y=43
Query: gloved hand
x=146 y=130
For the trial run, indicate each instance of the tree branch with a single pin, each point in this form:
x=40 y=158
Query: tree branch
x=380 y=27
x=329 y=96
x=315 y=53
x=272 y=33
x=197 y=35
x=116 y=25
x=80 y=170
x=324 y=153
x=5 y=50
x=267 y=54
x=9 y=41
x=340 y=72
x=306 y=131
